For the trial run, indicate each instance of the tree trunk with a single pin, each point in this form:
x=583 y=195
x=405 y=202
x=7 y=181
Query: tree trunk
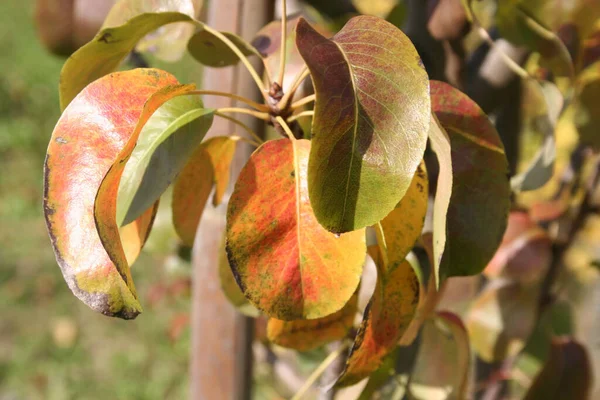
x=221 y=354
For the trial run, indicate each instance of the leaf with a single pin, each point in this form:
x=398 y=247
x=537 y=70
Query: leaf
x=566 y=375
x=166 y=142
x=480 y=200
x=440 y=144
x=520 y=23
x=166 y=43
x=135 y=234
x=370 y=123
x=386 y=318
x=88 y=140
x=209 y=165
x=587 y=118
x=286 y=264
x=304 y=335
x=402 y=227
x=545 y=102
x=230 y=288
x=105 y=52
x=525 y=253
x=211 y=51
x=501 y=320
x=268 y=43
x=443 y=362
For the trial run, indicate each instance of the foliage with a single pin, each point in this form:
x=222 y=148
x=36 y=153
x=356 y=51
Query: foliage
x=305 y=206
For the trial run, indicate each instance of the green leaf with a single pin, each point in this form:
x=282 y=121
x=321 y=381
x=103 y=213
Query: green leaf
x=164 y=146
x=545 y=103
x=370 y=124
x=82 y=175
x=168 y=42
x=287 y=264
x=308 y=334
x=566 y=375
x=478 y=209
x=387 y=316
x=209 y=165
x=211 y=51
x=105 y=52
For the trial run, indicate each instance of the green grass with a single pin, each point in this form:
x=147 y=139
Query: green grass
x=94 y=357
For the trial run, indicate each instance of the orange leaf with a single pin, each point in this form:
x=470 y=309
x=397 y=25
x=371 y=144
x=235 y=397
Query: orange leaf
x=306 y=335
x=387 y=316
x=85 y=159
x=285 y=262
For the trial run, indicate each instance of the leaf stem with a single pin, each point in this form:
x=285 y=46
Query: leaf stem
x=300 y=115
x=242 y=58
x=290 y=93
x=516 y=68
x=251 y=103
x=282 y=48
x=303 y=101
x=260 y=115
x=219 y=113
x=286 y=128
x=382 y=243
x=244 y=139
x=319 y=371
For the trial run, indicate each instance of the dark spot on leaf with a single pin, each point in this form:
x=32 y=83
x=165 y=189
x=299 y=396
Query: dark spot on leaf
x=293 y=174
x=208 y=44
x=106 y=37
x=261 y=43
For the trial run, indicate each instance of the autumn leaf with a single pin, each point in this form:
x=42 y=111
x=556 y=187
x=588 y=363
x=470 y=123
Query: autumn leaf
x=285 y=262
x=308 y=334
x=107 y=50
x=208 y=166
x=370 y=124
x=478 y=208
x=386 y=318
x=86 y=155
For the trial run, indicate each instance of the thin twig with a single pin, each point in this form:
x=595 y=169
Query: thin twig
x=285 y=128
x=320 y=369
x=244 y=139
x=290 y=93
x=282 y=48
x=251 y=103
x=297 y=104
x=219 y=113
x=300 y=115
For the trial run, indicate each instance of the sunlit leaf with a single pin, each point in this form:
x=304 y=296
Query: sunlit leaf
x=105 y=52
x=167 y=42
x=209 y=165
x=371 y=119
x=386 y=318
x=164 y=146
x=211 y=51
x=287 y=265
x=480 y=199
x=544 y=102
x=566 y=375
x=441 y=370
x=88 y=141
x=440 y=144
x=402 y=227
x=135 y=234
x=307 y=334
x=230 y=288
